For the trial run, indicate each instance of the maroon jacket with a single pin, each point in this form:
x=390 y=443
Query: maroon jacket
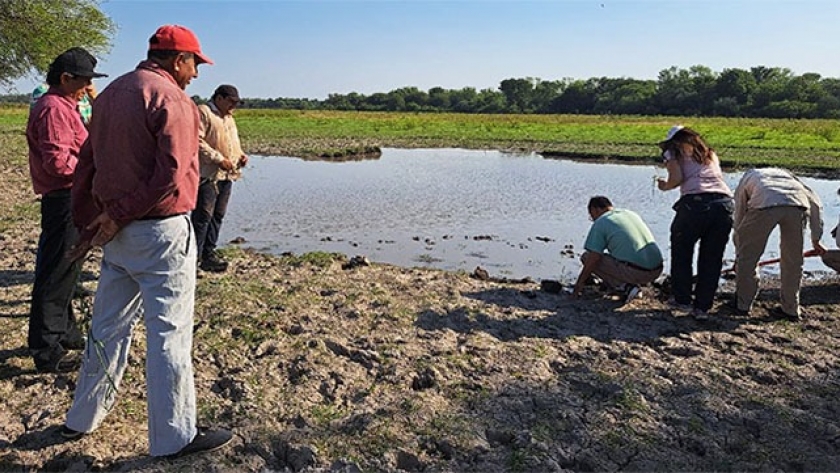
x=141 y=159
x=55 y=134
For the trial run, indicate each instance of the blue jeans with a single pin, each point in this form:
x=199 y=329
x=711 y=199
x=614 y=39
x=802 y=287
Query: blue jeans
x=148 y=273
x=210 y=209
x=706 y=218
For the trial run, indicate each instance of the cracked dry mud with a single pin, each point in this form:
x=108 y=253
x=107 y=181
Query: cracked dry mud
x=382 y=368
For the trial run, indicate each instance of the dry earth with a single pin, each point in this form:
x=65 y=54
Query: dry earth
x=381 y=368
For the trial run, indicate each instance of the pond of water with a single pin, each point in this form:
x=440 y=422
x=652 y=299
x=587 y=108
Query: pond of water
x=515 y=215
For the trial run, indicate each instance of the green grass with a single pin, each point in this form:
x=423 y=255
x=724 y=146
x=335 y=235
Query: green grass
x=321 y=259
x=805 y=145
x=799 y=144
x=26 y=211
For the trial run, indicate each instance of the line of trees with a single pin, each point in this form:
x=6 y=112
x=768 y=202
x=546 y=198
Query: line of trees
x=766 y=92
x=771 y=92
x=32 y=32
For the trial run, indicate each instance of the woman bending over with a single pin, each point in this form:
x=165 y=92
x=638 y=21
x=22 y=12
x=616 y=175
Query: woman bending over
x=703 y=213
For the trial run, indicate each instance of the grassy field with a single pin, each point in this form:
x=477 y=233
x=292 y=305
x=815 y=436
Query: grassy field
x=804 y=145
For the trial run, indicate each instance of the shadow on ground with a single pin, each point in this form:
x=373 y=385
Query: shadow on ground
x=49 y=437
x=589 y=421
x=14 y=277
x=601 y=319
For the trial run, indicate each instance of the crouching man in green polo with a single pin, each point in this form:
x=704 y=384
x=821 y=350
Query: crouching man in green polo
x=620 y=249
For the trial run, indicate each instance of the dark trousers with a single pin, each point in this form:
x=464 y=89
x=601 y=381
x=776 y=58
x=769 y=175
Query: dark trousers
x=51 y=318
x=209 y=212
x=706 y=218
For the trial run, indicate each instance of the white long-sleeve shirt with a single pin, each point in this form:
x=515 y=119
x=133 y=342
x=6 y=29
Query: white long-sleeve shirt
x=773 y=187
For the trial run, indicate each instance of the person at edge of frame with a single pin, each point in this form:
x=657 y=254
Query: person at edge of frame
x=831 y=258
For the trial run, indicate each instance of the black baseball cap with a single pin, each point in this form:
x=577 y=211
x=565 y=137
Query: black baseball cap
x=76 y=61
x=227 y=91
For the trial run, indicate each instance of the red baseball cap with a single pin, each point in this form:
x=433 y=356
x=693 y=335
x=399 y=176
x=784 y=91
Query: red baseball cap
x=177 y=38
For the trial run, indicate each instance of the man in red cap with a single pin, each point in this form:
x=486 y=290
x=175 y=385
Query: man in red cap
x=134 y=187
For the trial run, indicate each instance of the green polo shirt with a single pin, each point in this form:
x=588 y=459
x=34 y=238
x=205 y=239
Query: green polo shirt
x=624 y=235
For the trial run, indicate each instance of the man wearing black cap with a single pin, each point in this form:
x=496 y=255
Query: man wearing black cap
x=221 y=157
x=55 y=133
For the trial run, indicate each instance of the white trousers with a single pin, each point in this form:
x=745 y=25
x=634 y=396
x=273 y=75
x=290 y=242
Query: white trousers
x=148 y=272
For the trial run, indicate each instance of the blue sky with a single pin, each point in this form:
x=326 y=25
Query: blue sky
x=313 y=48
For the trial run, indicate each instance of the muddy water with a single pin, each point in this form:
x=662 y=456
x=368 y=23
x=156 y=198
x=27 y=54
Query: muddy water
x=514 y=215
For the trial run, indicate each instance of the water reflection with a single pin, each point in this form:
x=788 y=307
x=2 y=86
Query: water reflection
x=515 y=215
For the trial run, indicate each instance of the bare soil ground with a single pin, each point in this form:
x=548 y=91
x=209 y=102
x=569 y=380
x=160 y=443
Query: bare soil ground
x=380 y=368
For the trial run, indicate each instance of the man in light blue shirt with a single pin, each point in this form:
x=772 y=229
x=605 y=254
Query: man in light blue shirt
x=620 y=249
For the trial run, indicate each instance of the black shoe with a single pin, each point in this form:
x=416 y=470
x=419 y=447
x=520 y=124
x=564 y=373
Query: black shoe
x=551 y=286
x=213 y=264
x=206 y=440
x=700 y=315
x=731 y=307
x=69 y=433
x=631 y=292
x=60 y=362
x=74 y=344
x=779 y=313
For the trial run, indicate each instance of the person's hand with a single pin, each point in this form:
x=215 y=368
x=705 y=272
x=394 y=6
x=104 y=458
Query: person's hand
x=661 y=183
x=90 y=90
x=79 y=250
x=226 y=164
x=243 y=161
x=819 y=249
x=97 y=233
x=104 y=229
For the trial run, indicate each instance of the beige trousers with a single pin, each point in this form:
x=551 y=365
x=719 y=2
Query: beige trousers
x=616 y=273
x=832 y=259
x=751 y=239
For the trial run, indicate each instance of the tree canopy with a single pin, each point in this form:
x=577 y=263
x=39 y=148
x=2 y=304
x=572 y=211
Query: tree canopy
x=760 y=91
x=34 y=32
